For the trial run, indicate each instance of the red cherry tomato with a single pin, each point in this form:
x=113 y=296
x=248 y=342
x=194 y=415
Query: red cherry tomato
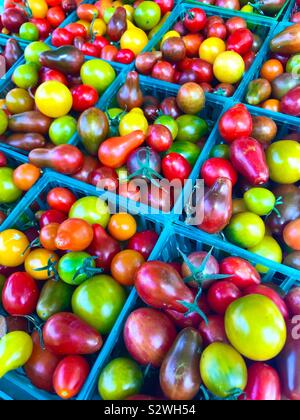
x=84 y=97
x=55 y=16
x=241 y=272
x=52 y=216
x=125 y=56
x=240 y=41
x=100 y=42
x=215 y=168
x=90 y=49
x=49 y=74
x=235 y=23
x=163 y=71
x=195 y=20
x=221 y=294
x=236 y=123
x=3 y=160
x=70 y=375
x=165 y=5
x=159 y=138
x=48 y=235
x=217 y=30
x=203 y=70
x=213 y=331
x=143 y=242
x=20 y=294
x=248 y=59
x=61 y=199
x=105 y=178
x=53 y=3
x=62 y=37
x=43 y=26
x=109 y=53
x=263 y=383
x=76 y=29
x=192 y=44
x=175 y=166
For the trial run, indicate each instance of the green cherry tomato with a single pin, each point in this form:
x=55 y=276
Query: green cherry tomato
x=3 y=122
x=120 y=379
x=220 y=151
x=97 y=73
x=147 y=15
x=223 y=369
x=74 y=267
x=191 y=128
x=62 y=130
x=29 y=32
x=91 y=209
x=283 y=158
x=9 y=192
x=268 y=248
x=108 y=14
x=260 y=201
x=189 y=151
x=245 y=229
x=55 y=297
x=168 y=122
x=255 y=327
x=26 y=76
x=99 y=301
x=33 y=51
x=293 y=65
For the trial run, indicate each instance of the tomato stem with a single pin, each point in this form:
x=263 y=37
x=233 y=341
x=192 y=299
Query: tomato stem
x=92 y=33
x=145 y=171
x=88 y=269
x=278 y=202
x=51 y=269
x=193 y=307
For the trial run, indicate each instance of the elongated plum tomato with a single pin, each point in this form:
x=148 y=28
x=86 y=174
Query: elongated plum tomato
x=263 y=383
x=236 y=123
x=241 y=272
x=70 y=375
x=74 y=235
x=148 y=336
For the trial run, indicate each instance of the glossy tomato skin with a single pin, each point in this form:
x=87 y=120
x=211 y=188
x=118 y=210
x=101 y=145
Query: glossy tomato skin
x=165 y=5
x=61 y=199
x=196 y=259
x=159 y=285
x=61 y=37
x=213 y=331
x=195 y=20
x=52 y=216
x=241 y=272
x=221 y=294
x=20 y=294
x=70 y=375
x=292 y=301
x=175 y=166
x=84 y=97
x=215 y=168
x=41 y=365
x=263 y=383
x=236 y=123
x=43 y=26
x=163 y=71
x=76 y=30
x=143 y=242
x=148 y=336
x=125 y=56
x=203 y=70
x=66 y=334
x=263 y=290
x=50 y=74
x=55 y=16
x=240 y=41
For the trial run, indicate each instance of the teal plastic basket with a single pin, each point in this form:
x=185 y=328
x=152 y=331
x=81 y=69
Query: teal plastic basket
x=15 y=384
x=211 y=113
x=288 y=14
x=174 y=237
x=279 y=16
x=257 y=24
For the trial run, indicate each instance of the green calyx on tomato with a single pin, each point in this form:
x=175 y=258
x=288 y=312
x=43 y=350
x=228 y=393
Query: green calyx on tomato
x=76 y=267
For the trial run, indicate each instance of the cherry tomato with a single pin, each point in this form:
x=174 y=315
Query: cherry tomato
x=87 y=12
x=271 y=69
x=291 y=235
x=37 y=263
x=25 y=176
x=214 y=330
x=217 y=30
x=240 y=41
x=20 y=294
x=263 y=383
x=109 y=53
x=76 y=30
x=192 y=44
x=143 y=242
x=125 y=56
x=241 y=272
x=48 y=235
x=270 y=293
x=122 y=226
x=235 y=23
x=104 y=178
x=124 y=266
x=14 y=248
x=90 y=49
x=159 y=138
x=215 y=168
x=236 y=123
x=221 y=294
x=195 y=20
x=49 y=74
x=163 y=71
x=52 y=216
x=70 y=375
x=165 y=5
x=61 y=199
x=55 y=16
x=100 y=42
x=3 y=160
x=175 y=166
x=74 y=235
x=211 y=48
x=43 y=26
x=271 y=105
x=61 y=36
x=203 y=70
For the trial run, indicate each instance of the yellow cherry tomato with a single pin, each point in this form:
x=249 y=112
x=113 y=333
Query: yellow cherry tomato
x=211 y=48
x=14 y=248
x=39 y=8
x=134 y=120
x=37 y=263
x=53 y=99
x=98 y=27
x=5 y=31
x=2 y=104
x=84 y=23
x=229 y=67
x=268 y=248
x=15 y=350
x=170 y=34
x=135 y=40
x=129 y=11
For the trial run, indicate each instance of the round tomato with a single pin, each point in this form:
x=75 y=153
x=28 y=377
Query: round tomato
x=215 y=168
x=124 y=266
x=29 y=32
x=134 y=120
x=55 y=16
x=120 y=379
x=195 y=20
x=246 y=230
x=25 y=176
x=271 y=69
x=259 y=201
x=53 y=99
x=48 y=235
x=191 y=127
x=255 y=327
x=283 y=158
x=143 y=242
x=135 y=40
x=10 y=192
x=84 y=97
x=147 y=15
x=74 y=235
x=122 y=226
x=61 y=199
x=91 y=209
x=221 y=294
x=41 y=264
x=52 y=216
x=176 y=167
x=62 y=129
x=76 y=267
x=39 y=8
x=291 y=235
x=211 y=48
x=98 y=74
x=168 y=122
x=14 y=248
x=229 y=67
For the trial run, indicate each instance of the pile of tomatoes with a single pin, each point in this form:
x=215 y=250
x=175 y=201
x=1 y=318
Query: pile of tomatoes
x=114 y=31
x=267 y=7
x=14 y=181
x=278 y=86
x=65 y=279
x=51 y=89
x=295 y=16
x=204 y=49
x=32 y=20
x=208 y=330
x=252 y=180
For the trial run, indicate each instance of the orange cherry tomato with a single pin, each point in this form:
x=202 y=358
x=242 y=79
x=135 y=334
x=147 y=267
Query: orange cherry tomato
x=291 y=235
x=87 y=12
x=271 y=69
x=41 y=264
x=271 y=105
x=192 y=44
x=109 y=53
x=124 y=266
x=74 y=235
x=122 y=226
x=25 y=176
x=48 y=235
